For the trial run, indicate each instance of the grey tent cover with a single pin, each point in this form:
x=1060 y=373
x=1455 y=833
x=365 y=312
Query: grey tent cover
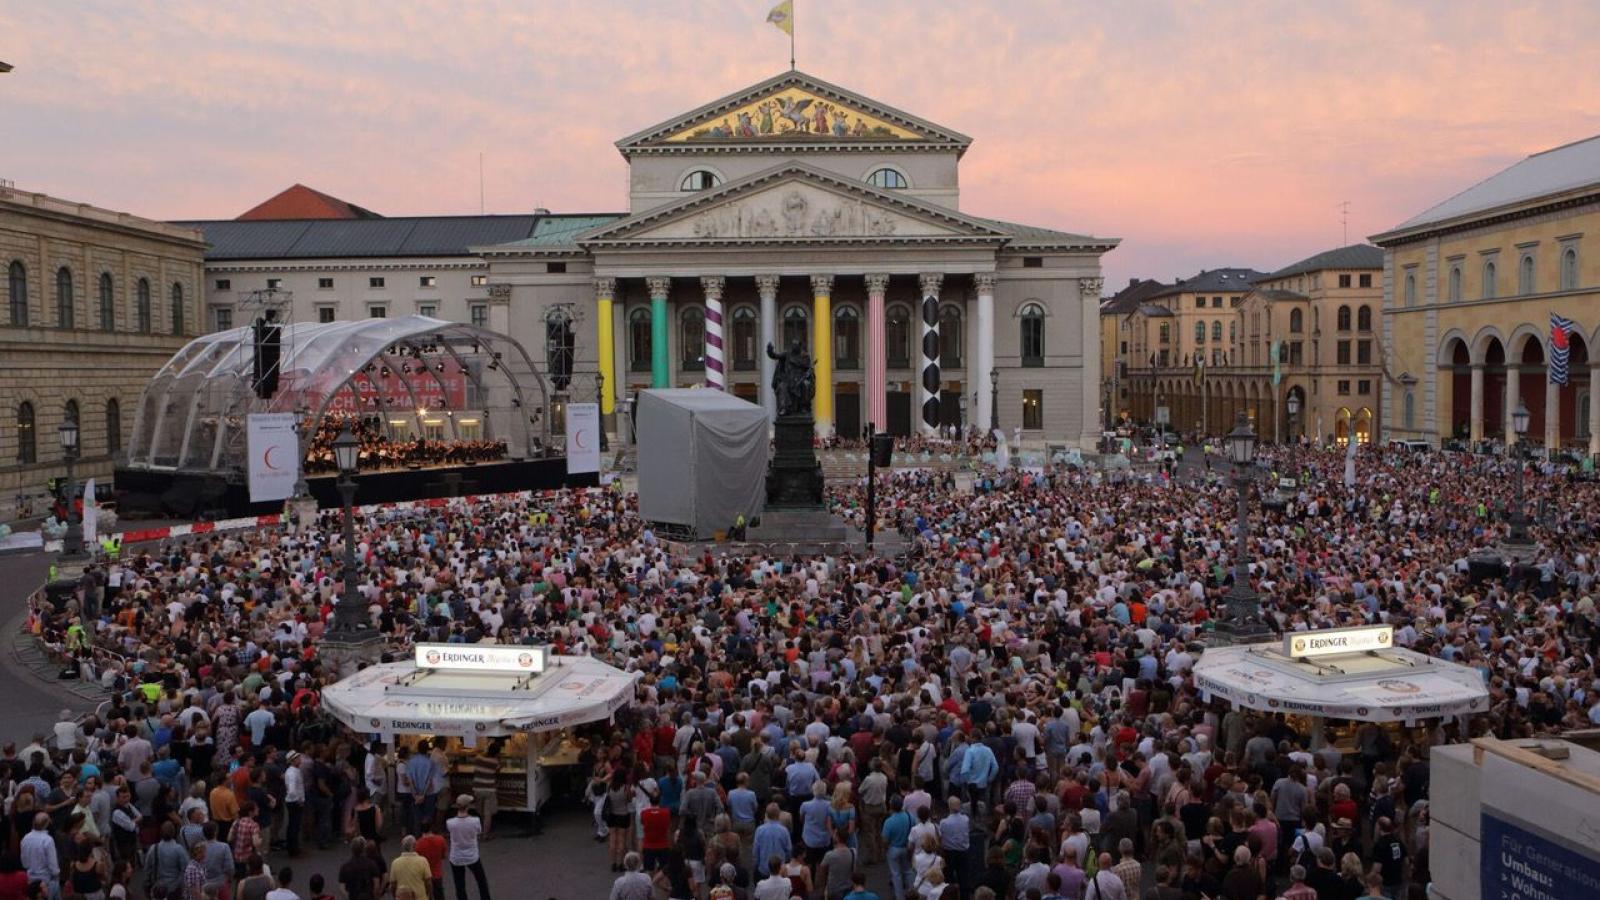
x=702 y=458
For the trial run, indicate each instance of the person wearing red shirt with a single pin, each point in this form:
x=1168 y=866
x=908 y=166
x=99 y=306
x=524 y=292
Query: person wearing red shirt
x=656 y=824
x=432 y=847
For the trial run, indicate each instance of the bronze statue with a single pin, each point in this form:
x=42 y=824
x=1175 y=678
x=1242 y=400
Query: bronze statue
x=793 y=382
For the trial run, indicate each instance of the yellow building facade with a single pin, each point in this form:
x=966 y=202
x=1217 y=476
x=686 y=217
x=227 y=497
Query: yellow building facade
x=1470 y=287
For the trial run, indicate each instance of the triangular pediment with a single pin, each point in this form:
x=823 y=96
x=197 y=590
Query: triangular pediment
x=793 y=108
x=793 y=202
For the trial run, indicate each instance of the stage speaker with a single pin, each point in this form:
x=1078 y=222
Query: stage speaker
x=268 y=341
x=882 y=450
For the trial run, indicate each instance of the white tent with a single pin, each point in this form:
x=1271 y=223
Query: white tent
x=399 y=698
x=702 y=459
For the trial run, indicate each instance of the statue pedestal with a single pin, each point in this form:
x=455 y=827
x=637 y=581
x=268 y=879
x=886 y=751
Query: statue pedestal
x=794 y=477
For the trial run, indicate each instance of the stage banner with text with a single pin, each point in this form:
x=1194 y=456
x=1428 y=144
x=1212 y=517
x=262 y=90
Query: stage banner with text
x=583 y=438
x=274 y=456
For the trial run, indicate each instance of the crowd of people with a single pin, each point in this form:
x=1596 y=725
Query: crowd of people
x=380 y=451
x=1007 y=711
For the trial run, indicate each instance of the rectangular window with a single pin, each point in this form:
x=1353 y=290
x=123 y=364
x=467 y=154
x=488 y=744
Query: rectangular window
x=480 y=315
x=427 y=309
x=1366 y=280
x=428 y=281
x=375 y=281
x=1295 y=353
x=274 y=283
x=1200 y=302
x=1033 y=409
x=1344 y=388
x=480 y=280
x=1344 y=353
x=1344 y=281
x=1364 y=353
x=1216 y=302
x=1363 y=387
x=555 y=268
x=1033 y=262
x=223 y=318
x=324 y=284
x=377 y=312
x=324 y=314
x=224 y=284
x=1124 y=347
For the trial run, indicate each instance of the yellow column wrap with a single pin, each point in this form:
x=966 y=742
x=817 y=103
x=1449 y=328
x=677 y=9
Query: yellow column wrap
x=822 y=352
x=606 y=347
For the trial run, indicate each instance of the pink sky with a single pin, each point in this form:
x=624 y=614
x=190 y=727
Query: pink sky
x=1203 y=134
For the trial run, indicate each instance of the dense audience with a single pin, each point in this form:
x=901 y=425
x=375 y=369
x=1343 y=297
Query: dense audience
x=380 y=451
x=1007 y=711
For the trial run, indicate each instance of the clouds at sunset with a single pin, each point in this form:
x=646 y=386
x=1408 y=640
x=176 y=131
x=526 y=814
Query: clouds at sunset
x=1203 y=134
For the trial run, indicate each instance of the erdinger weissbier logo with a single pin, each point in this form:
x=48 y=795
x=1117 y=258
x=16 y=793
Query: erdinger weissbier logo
x=482 y=657
x=433 y=657
x=1396 y=686
x=525 y=660
x=1334 y=641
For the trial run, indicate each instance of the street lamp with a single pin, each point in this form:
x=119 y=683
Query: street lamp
x=1241 y=623
x=72 y=541
x=1518 y=539
x=1293 y=405
x=600 y=405
x=350 y=615
x=994 y=400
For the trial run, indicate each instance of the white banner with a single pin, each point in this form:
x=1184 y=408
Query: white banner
x=91 y=516
x=483 y=657
x=274 y=450
x=583 y=438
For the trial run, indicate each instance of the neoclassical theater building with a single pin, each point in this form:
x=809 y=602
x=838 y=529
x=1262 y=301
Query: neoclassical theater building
x=795 y=211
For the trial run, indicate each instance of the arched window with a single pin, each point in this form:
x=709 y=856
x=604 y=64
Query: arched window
x=744 y=338
x=108 y=303
x=1525 y=274
x=639 y=342
x=795 y=327
x=1411 y=289
x=887 y=178
x=27 y=449
x=699 y=180
x=1297 y=321
x=177 y=308
x=846 y=338
x=1216 y=330
x=1199 y=332
x=1364 y=319
x=64 y=297
x=141 y=305
x=1233 y=331
x=897 y=334
x=17 y=292
x=951 y=338
x=692 y=339
x=1409 y=417
x=1455 y=283
x=1489 y=286
x=1344 y=318
x=113 y=426
x=1033 y=335
x=560 y=345
x=1569 y=269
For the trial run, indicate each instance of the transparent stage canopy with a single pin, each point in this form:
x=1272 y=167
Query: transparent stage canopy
x=410 y=377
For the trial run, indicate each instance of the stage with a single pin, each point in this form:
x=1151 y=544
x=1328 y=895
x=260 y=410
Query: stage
x=193 y=495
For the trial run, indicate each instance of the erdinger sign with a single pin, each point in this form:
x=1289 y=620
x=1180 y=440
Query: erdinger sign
x=1337 y=641
x=483 y=658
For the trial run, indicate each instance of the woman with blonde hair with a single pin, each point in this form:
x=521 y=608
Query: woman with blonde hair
x=842 y=814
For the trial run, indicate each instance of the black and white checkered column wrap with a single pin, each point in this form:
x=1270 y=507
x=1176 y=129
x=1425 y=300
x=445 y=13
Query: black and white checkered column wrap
x=930 y=350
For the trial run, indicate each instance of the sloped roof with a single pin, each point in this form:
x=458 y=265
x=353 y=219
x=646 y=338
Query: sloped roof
x=326 y=239
x=1276 y=294
x=300 y=202
x=558 y=231
x=1559 y=170
x=1150 y=309
x=1128 y=299
x=1025 y=236
x=1355 y=256
x=1232 y=278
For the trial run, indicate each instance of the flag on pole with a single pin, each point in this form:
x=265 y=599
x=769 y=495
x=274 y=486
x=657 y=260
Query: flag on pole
x=1350 y=461
x=1277 y=373
x=91 y=515
x=782 y=16
x=1560 y=333
x=1199 y=367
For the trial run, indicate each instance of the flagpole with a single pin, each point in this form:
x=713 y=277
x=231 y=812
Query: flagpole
x=791 y=41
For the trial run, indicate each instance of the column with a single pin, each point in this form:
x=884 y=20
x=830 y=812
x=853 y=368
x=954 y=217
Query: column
x=1594 y=408
x=660 y=377
x=929 y=393
x=1552 y=416
x=716 y=372
x=1477 y=402
x=767 y=289
x=822 y=353
x=1513 y=394
x=1089 y=305
x=877 y=354
x=605 y=290
x=979 y=371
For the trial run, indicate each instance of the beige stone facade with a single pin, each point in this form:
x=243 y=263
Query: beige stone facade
x=92 y=303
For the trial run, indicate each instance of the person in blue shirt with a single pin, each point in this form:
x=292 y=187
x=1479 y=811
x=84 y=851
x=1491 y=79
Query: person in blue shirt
x=858 y=888
x=814 y=831
x=978 y=770
x=798 y=779
x=896 y=836
x=771 y=841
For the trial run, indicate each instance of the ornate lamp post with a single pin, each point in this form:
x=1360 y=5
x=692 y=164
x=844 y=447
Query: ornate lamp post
x=1293 y=405
x=350 y=623
x=600 y=403
x=994 y=400
x=72 y=541
x=1518 y=542
x=1241 y=623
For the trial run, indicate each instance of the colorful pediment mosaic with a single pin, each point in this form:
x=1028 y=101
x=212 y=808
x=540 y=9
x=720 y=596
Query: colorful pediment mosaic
x=794 y=114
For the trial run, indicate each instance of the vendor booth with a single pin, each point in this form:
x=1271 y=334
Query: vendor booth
x=1337 y=677
x=506 y=708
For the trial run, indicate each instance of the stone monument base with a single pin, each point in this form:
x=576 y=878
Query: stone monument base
x=343 y=654
x=797 y=526
x=794 y=477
